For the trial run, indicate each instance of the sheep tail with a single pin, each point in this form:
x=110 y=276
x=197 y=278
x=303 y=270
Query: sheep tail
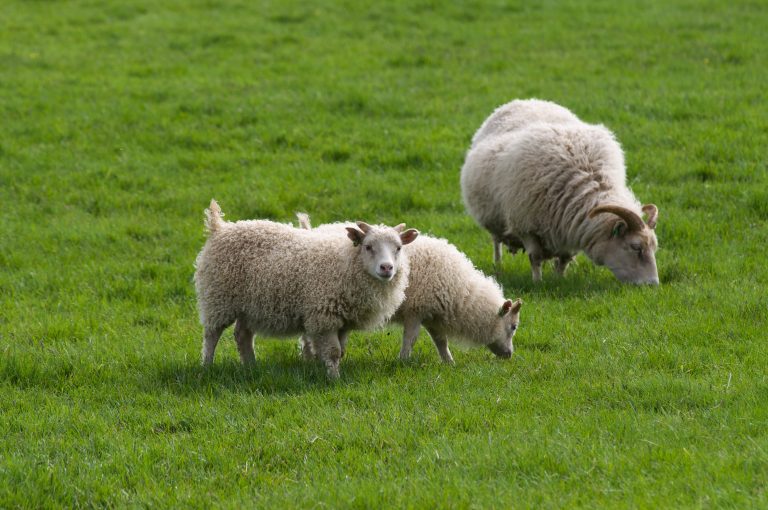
x=213 y=215
x=304 y=221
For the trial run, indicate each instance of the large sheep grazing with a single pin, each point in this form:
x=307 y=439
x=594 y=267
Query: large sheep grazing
x=449 y=297
x=540 y=179
x=277 y=280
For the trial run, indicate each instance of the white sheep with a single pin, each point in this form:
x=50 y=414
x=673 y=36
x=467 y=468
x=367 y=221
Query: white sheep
x=449 y=296
x=540 y=179
x=277 y=280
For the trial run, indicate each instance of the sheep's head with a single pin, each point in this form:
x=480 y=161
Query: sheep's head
x=380 y=247
x=508 y=317
x=628 y=247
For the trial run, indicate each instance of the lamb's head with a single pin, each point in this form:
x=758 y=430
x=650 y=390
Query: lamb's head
x=380 y=247
x=628 y=246
x=507 y=319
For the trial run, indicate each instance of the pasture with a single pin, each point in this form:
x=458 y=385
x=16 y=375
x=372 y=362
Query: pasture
x=120 y=120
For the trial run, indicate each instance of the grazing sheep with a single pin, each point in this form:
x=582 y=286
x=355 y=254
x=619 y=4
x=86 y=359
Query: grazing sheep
x=449 y=297
x=540 y=179
x=277 y=280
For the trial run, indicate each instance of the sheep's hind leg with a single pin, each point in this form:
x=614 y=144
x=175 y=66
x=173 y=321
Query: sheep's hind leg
x=343 y=336
x=307 y=348
x=535 y=255
x=244 y=339
x=411 y=329
x=329 y=351
x=210 y=339
x=496 y=251
x=441 y=342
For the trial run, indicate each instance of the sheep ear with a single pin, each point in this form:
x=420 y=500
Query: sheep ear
x=510 y=306
x=399 y=228
x=653 y=214
x=355 y=235
x=409 y=236
x=363 y=226
x=619 y=229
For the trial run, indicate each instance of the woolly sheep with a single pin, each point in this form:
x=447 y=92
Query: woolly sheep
x=450 y=297
x=277 y=280
x=541 y=180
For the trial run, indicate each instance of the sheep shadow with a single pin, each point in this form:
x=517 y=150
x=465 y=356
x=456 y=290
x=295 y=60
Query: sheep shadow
x=554 y=286
x=285 y=374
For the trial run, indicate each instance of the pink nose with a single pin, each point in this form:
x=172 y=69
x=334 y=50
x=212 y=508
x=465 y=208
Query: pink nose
x=385 y=268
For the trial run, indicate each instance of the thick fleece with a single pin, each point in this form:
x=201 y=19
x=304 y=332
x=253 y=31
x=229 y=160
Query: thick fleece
x=533 y=176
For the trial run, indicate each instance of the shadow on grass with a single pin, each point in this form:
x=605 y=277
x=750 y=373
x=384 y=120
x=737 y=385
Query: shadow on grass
x=281 y=374
x=553 y=286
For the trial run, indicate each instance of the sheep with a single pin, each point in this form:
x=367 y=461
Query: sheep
x=539 y=179
x=273 y=279
x=450 y=297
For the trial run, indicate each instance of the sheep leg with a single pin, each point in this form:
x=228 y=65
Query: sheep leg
x=343 y=336
x=441 y=342
x=496 y=251
x=535 y=255
x=210 y=339
x=244 y=339
x=411 y=329
x=561 y=264
x=329 y=351
x=307 y=348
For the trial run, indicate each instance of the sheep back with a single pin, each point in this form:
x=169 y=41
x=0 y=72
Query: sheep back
x=446 y=288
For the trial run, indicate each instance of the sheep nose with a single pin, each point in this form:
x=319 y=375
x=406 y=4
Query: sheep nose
x=385 y=268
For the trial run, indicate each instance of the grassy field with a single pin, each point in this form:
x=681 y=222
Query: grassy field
x=119 y=120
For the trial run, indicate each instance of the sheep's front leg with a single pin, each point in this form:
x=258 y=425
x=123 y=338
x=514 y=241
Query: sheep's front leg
x=244 y=339
x=328 y=350
x=411 y=329
x=441 y=342
x=535 y=255
x=210 y=339
x=561 y=264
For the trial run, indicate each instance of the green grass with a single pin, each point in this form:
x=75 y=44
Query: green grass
x=120 y=121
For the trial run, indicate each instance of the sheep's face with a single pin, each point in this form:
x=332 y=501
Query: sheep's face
x=628 y=249
x=381 y=247
x=507 y=320
x=631 y=257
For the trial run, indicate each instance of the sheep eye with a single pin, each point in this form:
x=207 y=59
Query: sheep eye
x=368 y=247
x=398 y=248
x=514 y=327
x=636 y=247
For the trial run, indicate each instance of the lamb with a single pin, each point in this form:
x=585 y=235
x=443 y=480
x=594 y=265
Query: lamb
x=273 y=279
x=539 y=179
x=450 y=297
